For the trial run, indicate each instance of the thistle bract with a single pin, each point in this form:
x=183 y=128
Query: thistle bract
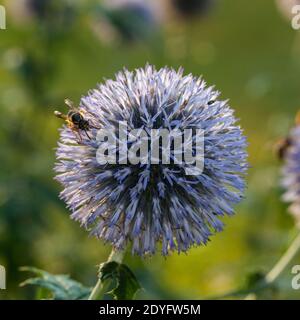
x=146 y=204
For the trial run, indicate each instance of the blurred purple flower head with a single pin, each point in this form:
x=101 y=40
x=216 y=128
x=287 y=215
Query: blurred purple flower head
x=291 y=174
x=147 y=204
x=125 y=20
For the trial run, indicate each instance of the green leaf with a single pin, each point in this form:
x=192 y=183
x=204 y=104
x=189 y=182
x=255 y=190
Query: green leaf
x=61 y=287
x=253 y=279
x=125 y=283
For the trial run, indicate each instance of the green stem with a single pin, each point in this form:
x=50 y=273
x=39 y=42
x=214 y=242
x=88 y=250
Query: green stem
x=284 y=260
x=270 y=277
x=279 y=267
x=102 y=287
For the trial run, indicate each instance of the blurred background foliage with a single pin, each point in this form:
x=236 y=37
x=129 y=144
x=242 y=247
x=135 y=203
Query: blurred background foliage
x=55 y=49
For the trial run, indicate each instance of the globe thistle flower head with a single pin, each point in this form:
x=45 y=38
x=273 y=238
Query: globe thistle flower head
x=291 y=173
x=147 y=204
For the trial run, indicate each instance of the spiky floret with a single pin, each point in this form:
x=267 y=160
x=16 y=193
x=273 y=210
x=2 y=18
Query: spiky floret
x=147 y=204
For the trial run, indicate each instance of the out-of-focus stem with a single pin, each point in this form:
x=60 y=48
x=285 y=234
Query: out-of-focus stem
x=279 y=267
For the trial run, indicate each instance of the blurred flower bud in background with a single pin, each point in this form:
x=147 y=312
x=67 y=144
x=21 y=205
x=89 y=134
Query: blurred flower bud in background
x=56 y=14
x=125 y=20
x=188 y=8
x=291 y=171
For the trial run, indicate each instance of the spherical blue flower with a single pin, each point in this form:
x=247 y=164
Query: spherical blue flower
x=291 y=173
x=144 y=204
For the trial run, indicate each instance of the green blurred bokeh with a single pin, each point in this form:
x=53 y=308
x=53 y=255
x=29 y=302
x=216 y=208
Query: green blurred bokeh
x=245 y=48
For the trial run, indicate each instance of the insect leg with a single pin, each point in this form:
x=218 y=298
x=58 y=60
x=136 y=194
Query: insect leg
x=87 y=134
x=80 y=137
